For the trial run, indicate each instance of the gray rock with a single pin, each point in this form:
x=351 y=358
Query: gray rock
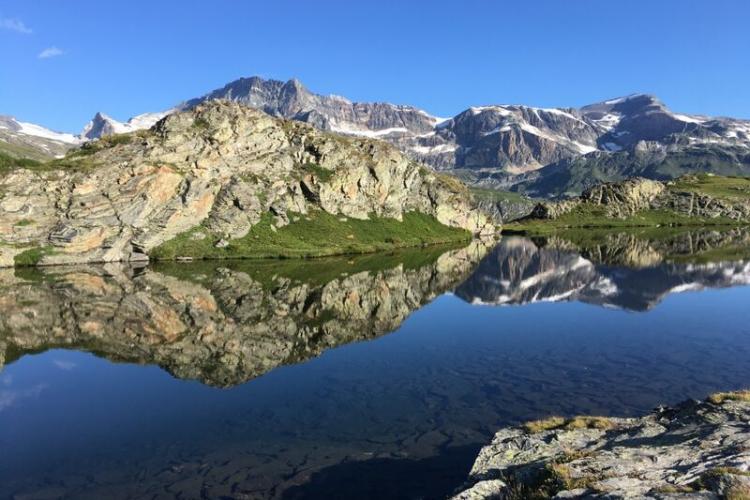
x=625 y=198
x=695 y=450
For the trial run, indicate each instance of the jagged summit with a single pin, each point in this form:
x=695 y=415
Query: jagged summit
x=102 y=125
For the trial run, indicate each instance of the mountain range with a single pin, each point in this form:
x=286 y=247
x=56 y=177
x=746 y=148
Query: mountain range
x=539 y=151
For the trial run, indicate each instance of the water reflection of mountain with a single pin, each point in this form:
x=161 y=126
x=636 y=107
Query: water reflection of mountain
x=226 y=323
x=619 y=270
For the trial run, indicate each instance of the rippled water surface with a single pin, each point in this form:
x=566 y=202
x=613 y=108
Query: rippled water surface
x=370 y=377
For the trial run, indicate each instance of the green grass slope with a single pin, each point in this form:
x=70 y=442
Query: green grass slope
x=313 y=235
x=588 y=216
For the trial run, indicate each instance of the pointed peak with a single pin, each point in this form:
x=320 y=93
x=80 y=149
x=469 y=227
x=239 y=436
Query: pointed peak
x=295 y=84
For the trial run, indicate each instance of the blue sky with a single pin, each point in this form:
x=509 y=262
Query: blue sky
x=61 y=61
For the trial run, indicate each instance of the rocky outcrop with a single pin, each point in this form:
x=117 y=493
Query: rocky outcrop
x=626 y=198
x=221 y=165
x=694 y=450
x=508 y=210
x=222 y=325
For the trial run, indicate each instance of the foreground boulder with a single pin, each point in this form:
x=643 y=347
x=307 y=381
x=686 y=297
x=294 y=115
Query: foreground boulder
x=695 y=450
x=221 y=166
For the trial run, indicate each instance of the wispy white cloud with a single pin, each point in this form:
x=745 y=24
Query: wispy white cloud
x=50 y=52
x=16 y=25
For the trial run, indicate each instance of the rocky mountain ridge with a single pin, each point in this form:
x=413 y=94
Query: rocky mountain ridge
x=541 y=151
x=222 y=167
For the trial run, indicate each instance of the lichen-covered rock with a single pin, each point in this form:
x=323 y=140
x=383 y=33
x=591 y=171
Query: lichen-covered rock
x=626 y=197
x=695 y=450
x=222 y=165
x=552 y=210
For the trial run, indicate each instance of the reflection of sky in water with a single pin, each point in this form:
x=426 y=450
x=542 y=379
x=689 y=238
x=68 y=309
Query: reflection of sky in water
x=439 y=386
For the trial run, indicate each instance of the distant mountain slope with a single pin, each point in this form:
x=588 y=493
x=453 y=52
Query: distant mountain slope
x=22 y=139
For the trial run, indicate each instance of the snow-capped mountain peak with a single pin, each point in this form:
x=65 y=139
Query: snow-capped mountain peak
x=102 y=124
x=33 y=140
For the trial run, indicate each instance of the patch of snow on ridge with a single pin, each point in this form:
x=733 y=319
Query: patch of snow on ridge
x=37 y=131
x=498 y=129
x=686 y=287
x=147 y=120
x=689 y=119
x=368 y=133
x=559 y=112
x=475 y=110
x=608 y=121
x=581 y=148
x=617 y=101
x=442 y=148
x=441 y=122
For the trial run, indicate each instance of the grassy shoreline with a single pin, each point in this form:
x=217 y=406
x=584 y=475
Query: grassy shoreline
x=317 y=234
x=594 y=218
x=314 y=235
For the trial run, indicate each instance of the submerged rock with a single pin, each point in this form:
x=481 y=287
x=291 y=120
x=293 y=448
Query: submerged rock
x=694 y=450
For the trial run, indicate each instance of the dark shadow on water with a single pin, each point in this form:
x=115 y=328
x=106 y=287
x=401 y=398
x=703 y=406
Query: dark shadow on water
x=429 y=478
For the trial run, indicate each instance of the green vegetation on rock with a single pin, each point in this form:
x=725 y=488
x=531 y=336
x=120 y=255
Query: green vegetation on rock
x=323 y=174
x=693 y=200
x=725 y=188
x=594 y=217
x=32 y=256
x=720 y=397
x=323 y=270
x=568 y=424
x=8 y=163
x=315 y=234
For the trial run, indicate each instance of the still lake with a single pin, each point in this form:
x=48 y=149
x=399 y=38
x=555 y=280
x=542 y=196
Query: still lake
x=357 y=377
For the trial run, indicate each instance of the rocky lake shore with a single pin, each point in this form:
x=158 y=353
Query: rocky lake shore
x=697 y=449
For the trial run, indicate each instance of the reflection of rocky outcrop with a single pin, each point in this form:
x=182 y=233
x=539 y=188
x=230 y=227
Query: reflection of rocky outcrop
x=635 y=250
x=222 y=325
x=622 y=270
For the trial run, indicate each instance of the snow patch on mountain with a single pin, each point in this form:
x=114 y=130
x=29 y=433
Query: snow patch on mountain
x=39 y=131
